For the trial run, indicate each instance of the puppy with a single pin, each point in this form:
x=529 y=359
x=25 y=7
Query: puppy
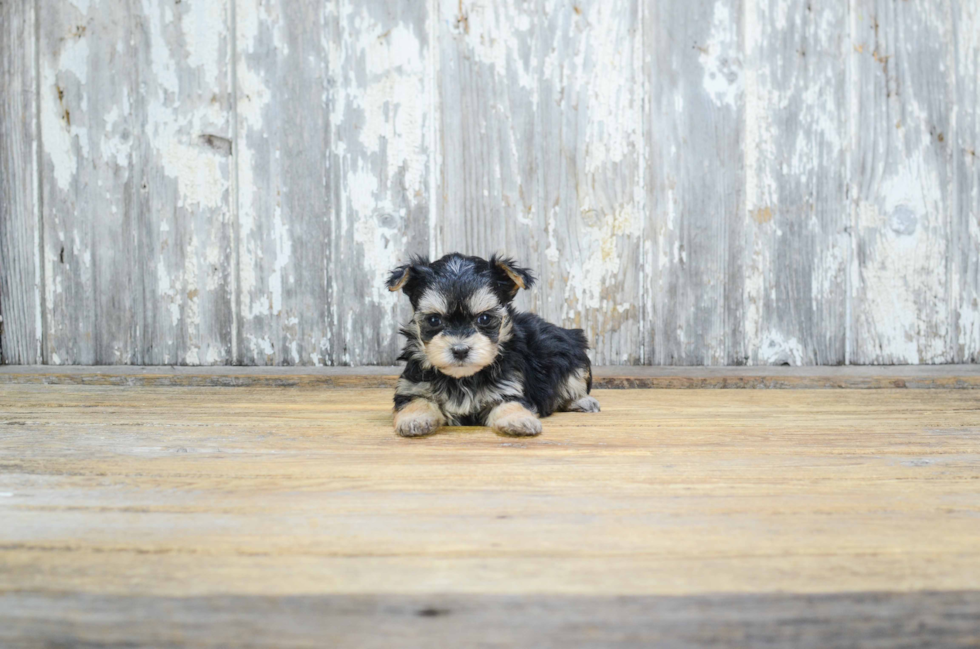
x=475 y=361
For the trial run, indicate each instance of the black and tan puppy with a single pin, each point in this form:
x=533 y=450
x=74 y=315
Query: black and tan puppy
x=475 y=361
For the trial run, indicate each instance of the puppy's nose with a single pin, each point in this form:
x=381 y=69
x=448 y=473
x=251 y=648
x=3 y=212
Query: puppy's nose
x=460 y=351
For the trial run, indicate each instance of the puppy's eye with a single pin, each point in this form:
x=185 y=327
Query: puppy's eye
x=484 y=320
x=433 y=321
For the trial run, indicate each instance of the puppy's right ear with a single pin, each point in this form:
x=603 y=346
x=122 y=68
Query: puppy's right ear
x=409 y=277
x=399 y=277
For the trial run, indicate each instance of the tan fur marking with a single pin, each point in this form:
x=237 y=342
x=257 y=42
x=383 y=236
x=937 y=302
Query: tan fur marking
x=482 y=352
x=432 y=302
x=401 y=282
x=511 y=418
x=506 y=330
x=482 y=300
x=517 y=279
x=418 y=417
x=575 y=386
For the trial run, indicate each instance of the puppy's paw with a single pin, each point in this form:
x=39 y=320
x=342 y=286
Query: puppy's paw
x=418 y=427
x=418 y=418
x=519 y=426
x=585 y=404
x=514 y=419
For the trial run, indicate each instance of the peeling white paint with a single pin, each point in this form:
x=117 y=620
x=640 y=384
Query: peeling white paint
x=200 y=178
x=569 y=173
x=393 y=100
x=204 y=47
x=254 y=98
x=162 y=62
x=64 y=143
x=377 y=241
x=283 y=243
x=608 y=81
x=602 y=238
x=776 y=349
x=720 y=57
x=493 y=32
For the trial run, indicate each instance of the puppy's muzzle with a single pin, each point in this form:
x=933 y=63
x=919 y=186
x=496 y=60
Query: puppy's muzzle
x=460 y=352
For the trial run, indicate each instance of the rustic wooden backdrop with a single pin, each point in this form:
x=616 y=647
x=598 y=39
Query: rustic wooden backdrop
x=697 y=182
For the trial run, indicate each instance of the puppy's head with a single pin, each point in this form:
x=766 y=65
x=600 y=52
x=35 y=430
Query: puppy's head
x=460 y=305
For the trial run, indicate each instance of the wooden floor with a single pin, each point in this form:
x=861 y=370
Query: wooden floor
x=262 y=516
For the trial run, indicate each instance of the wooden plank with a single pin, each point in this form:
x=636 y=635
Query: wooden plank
x=540 y=107
x=90 y=188
x=334 y=176
x=382 y=160
x=796 y=242
x=695 y=183
x=185 y=211
x=611 y=376
x=965 y=232
x=20 y=276
x=135 y=130
x=283 y=189
x=900 y=175
x=908 y=620
x=192 y=492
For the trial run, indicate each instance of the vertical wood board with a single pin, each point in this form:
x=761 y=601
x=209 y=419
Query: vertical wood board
x=900 y=173
x=20 y=272
x=796 y=242
x=541 y=132
x=695 y=182
x=283 y=197
x=334 y=176
x=381 y=163
x=135 y=173
x=964 y=243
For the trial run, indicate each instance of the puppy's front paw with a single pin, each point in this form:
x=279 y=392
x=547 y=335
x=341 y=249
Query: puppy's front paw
x=519 y=426
x=418 y=418
x=585 y=404
x=418 y=427
x=514 y=419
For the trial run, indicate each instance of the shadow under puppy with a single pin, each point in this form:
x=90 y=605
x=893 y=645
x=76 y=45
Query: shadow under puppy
x=475 y=361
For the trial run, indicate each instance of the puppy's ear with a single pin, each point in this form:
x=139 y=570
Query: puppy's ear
x=409 y=277
x=510 y=276
x=399 y=277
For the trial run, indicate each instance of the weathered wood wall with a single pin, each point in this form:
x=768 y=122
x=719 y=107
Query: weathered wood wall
x=708 y=182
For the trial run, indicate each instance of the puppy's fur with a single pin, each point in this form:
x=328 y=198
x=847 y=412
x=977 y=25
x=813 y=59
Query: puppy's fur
x=473 y=360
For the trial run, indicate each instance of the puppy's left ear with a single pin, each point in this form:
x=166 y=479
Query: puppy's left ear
x=510 y=276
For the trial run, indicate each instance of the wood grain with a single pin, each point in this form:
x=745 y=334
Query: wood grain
x=901 y=99
x=90 y=190
x=695 y=183
x=920 y=377
x=20 y=270
x=382 y=163
x=541 y=142
x=894 y=620
x=210 y=493
x=284 y=205
x=185 y=213
x=796 y=244
x=965 y=227
x=334 y=178
x=134 y=114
